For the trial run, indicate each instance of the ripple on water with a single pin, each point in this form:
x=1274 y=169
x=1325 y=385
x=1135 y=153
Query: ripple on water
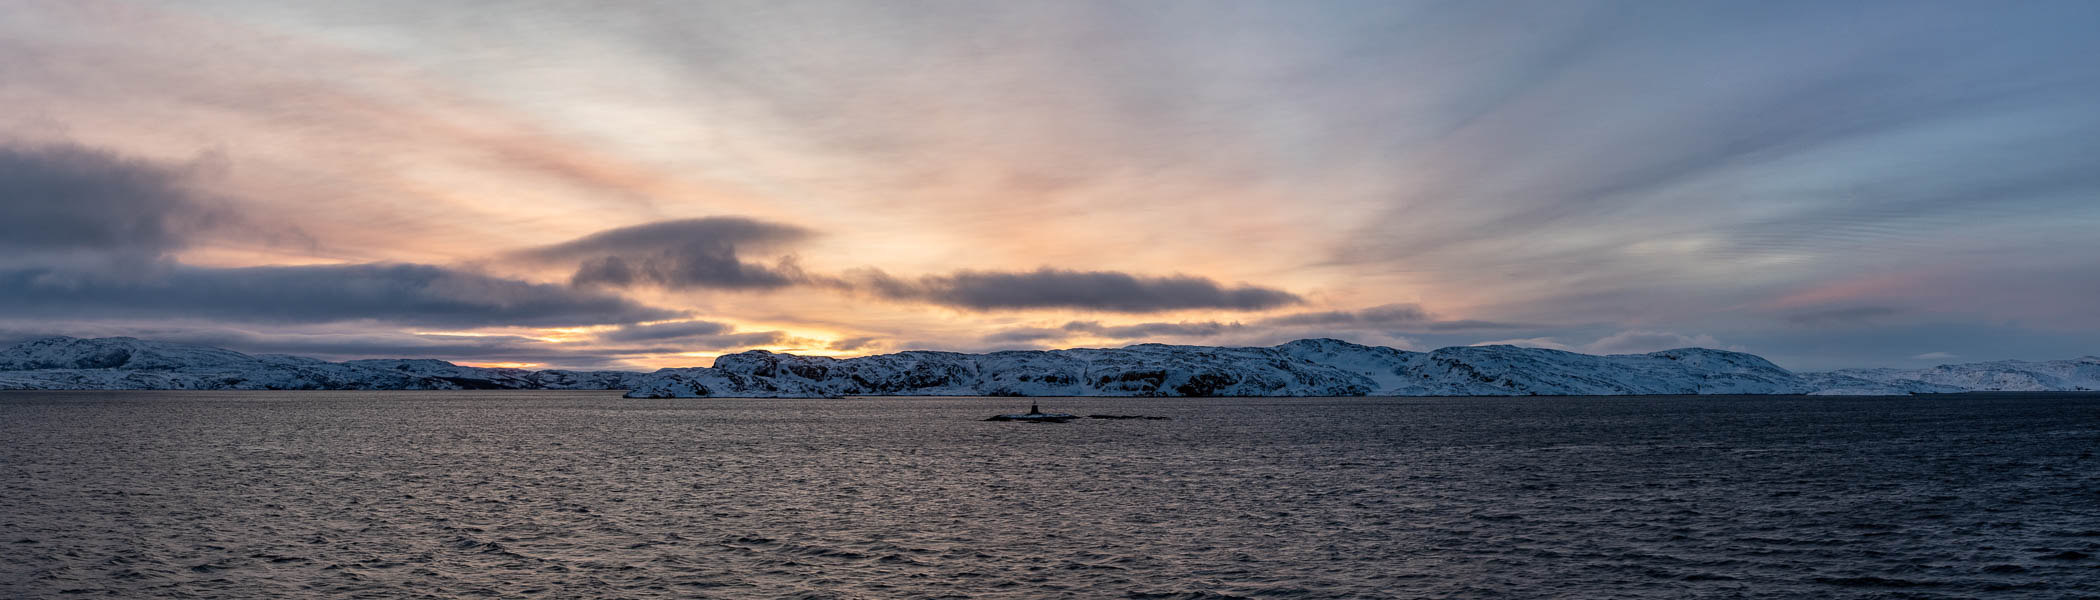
x=450 y=495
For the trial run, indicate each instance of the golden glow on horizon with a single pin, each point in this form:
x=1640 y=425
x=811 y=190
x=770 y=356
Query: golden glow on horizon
x=567 y=334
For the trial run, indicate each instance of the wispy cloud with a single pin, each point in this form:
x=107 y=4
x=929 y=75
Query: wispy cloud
x=693 y=336
x=1843 y=316
x=1234 y=172
x=659 y=331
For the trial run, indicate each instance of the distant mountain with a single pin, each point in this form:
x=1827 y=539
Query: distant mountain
x=122 y=363
x=2079 y=374
x=1319 y=367
x=1315 y=367
x=1326 y=367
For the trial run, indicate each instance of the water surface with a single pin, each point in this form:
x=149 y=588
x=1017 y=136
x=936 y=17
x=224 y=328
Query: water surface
x=585 y=494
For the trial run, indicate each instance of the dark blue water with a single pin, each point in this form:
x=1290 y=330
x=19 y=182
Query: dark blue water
x=508 y=494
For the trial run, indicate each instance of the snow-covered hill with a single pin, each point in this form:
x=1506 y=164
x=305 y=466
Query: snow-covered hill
x=1326 y=367
x=1319 y=367
x=2078 y=374
x=1141 y=370
x=1314 y=367
x=1515 y=371
x=65 y=363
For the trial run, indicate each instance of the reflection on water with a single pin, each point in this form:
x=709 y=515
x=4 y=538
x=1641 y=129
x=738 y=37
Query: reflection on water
x=452 y=494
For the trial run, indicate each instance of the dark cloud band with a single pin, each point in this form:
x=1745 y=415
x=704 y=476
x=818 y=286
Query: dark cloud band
x=398 y=293
x=685 y=253
x=708 y=253
x=72 y=199
x=663 y=331
x=695 y=335
x=1108 y=291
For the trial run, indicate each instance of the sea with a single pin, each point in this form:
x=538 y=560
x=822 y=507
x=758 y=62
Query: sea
x=589 y=495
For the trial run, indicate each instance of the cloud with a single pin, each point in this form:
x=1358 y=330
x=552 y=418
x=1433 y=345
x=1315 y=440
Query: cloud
x=1107 y=291
x=1757 y=148
x=658 y=331
x=1844 y=316
x=395 y=293
x=1389 y=317
x=686 y=253
x=1026 y=334
x=60 y=204
x=1138 y=331
x=695 y=335
x=1540 y=342
x=67 y=200
x=706 y=253
x=742 y=340
x=1378 y=315
x=1634 y=342
x=1376 y=324
x=1473 y=325
x=1147 y=330
x=730 y=341
x=338 y=344
x=1936 y=356
x=854 y=343
x=1814 y=147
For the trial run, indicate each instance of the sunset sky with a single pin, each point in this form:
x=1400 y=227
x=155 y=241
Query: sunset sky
x=641 y=184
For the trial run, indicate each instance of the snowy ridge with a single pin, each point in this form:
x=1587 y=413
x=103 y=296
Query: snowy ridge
x=2078 y=374
x=1327 y=367
x=1141 y=370
x=1317 y=367
x=1313 y=367
x=121 y=363
x=1515 y=371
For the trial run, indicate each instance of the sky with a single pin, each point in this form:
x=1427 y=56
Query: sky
x=637 y=185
